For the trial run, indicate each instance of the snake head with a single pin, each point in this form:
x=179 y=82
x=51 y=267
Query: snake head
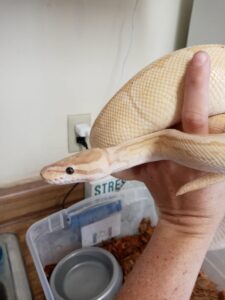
x=84 y=166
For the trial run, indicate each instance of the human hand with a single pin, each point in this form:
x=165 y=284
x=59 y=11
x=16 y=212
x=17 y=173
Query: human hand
x=199 y=211
x=187 y=223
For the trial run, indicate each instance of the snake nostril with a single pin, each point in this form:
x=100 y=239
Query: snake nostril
x=69 y=170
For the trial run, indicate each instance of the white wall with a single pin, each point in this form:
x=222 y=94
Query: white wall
x=60 y=57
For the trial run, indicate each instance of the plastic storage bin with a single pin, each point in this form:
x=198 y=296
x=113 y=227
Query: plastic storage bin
x=87 y=223
x=214 y=267
x=99 y=218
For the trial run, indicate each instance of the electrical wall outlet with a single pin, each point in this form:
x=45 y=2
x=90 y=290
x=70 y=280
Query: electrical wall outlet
x=72 y=121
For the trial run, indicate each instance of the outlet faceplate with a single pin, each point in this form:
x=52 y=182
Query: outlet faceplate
x=72 y=120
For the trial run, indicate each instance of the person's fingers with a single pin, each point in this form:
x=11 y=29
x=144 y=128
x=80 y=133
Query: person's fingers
x=195 y=103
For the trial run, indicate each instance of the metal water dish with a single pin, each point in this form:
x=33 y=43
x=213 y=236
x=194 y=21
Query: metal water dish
x=86 y=274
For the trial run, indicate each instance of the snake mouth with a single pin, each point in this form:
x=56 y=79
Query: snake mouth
x=59 y=181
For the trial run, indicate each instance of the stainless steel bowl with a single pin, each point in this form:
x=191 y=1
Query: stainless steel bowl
x=86 y=274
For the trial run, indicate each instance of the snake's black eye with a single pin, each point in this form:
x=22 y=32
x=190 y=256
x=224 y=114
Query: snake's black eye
x=69 y=170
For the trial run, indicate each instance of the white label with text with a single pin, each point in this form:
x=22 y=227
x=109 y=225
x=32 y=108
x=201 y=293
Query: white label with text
x=99 y=231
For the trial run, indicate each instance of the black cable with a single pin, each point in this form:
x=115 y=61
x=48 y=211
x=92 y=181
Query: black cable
x=82 y=141
x=68 y=193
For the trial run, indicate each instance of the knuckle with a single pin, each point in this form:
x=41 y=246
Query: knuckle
x=194 y=119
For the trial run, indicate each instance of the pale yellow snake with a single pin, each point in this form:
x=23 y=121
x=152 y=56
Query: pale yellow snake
x=133 y=128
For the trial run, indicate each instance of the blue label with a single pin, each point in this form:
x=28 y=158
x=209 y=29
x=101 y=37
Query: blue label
x=92 y=215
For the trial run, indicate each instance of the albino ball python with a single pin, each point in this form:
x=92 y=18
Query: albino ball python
x=133 y=128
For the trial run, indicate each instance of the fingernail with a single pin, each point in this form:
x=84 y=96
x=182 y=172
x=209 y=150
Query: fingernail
x=199 y=58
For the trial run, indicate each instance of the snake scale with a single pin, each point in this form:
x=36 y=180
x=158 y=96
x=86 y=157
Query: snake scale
x=135 y=126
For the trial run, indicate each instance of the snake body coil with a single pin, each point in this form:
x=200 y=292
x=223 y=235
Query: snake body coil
x=133 y=128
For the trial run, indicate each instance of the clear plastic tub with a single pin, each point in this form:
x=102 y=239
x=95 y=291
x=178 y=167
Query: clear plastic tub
x=85 y=224
x=214 y=267
x=99 y=218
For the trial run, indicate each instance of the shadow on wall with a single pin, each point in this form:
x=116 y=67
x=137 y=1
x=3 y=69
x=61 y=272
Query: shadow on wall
x=185 y=11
